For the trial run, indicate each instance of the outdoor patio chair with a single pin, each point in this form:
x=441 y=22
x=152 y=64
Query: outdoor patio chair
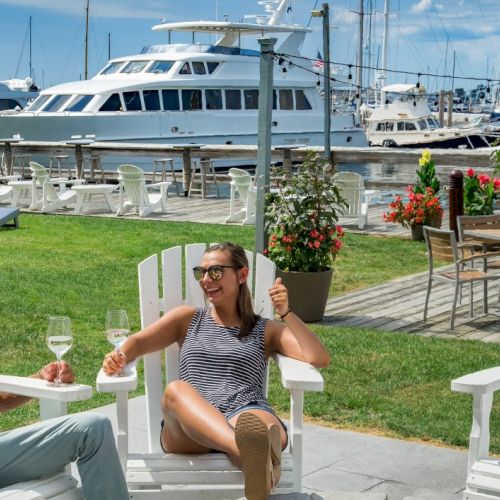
x=51 y=200
x=135 y=195
x=209 y=475
x=53 y=401
x=352 y=189
x=442 y=245
x=5 y=193
x=242 y=186
x=483 y=470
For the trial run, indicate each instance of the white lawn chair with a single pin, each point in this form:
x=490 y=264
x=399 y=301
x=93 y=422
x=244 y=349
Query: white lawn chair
x=205 y=476
x=51 y=200
x=134 y=193
x=53 y=400
x=352 y=188
x=483 y=470
x=5 y=193
x=243 y=186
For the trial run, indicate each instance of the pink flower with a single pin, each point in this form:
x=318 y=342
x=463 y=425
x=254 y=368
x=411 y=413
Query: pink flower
x=496 y=184
x=470 y=172
x=317 y=244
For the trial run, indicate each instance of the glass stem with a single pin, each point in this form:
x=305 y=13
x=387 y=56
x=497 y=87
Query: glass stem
x=57 y=380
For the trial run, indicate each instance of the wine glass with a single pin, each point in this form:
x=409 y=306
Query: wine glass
x=59 y=340
x=117 y=327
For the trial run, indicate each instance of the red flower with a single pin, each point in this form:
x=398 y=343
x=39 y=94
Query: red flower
x=470 y=172
x=317 y=244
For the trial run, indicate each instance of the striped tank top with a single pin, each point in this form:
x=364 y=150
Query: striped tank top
x=228 y=372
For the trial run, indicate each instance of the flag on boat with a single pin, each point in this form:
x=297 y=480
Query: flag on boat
x=318 y=62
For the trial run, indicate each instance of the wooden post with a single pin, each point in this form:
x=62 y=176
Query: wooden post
x=7 y=154
x=79 y=161
x=456 y=198
x=441 y=108
x=186 y=170
x=264 y=137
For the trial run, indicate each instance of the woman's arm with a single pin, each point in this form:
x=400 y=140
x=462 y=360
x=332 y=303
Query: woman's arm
x=170 y=328
x=292 y=338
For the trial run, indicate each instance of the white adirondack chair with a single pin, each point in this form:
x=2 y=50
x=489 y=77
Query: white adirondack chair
x=352 y=188
x=5 y=193
x=53 y=400
x=242 y=185
x=483 y=470
x=206 y=476
x=51 y=200
x=134 y=193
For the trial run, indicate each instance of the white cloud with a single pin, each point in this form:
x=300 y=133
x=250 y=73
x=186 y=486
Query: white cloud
x=421 y=6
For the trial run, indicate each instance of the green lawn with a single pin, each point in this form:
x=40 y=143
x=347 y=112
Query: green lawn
x=82 y=266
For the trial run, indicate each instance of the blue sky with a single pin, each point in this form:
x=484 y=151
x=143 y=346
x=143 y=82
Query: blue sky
x=424 y=34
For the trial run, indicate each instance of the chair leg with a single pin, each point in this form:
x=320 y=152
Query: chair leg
x=454 y=307
x=485 y=297
x=427 y=295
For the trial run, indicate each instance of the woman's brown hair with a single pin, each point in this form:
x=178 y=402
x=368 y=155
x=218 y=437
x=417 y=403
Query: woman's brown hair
x=244 y=304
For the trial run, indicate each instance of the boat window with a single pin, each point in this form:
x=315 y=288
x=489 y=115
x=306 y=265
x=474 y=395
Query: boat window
x=233 y=99
x=432 y=123
x=56 y=103
x=422 y=124
x=410 y=126
x=111 y=68
x=134 y=67
x=401 y=126
x=212 y=66
x=170 y=99
x=160 y=67
x=113 y=103
x=185 y=70
x=191 y=99
x=389 y=126
x=132 y=101
x=286 y=99
x=301 y=101
x=380 y=127
x=213 y=99
x=199 y=68
x=9 y=104
x=251 y=99
x=151 y=100
x=79 y=103
x=39 y=102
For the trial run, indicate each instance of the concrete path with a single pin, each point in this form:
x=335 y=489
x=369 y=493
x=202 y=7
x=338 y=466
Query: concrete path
x=343 y=465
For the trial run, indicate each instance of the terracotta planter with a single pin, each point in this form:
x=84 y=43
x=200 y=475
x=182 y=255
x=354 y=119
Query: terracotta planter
x=307 y=292
x=417 y=232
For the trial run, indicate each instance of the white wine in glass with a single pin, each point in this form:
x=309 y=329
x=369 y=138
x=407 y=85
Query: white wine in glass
x=117 y=327
x=59 y=340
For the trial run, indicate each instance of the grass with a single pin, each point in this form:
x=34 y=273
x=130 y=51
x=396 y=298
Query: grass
x=80 y=267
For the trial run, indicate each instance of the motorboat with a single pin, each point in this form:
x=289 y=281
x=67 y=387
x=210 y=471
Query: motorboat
x=198 y=92
x=405 y=120
x=16 y=93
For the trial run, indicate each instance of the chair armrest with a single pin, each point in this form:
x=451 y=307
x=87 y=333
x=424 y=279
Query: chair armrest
x=481 y=382
x=370 y=193
x=298 y=375
x=126 y=382
x=477 y=256
x=40 y=389
x=159 y=184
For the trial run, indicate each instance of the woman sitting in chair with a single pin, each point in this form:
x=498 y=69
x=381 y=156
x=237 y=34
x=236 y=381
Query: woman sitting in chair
x=219 y=403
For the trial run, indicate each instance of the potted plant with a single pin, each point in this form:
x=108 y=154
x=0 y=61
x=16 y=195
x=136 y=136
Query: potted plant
x=420 y=209
x=303 y=235
x=479 y=193
x=426 y=174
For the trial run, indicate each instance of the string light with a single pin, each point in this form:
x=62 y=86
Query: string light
x=349 y=76
x=418 y=81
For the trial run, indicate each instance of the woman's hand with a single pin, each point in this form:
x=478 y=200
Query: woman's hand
x=279 y=297
x=49 y=372
x=114 y=362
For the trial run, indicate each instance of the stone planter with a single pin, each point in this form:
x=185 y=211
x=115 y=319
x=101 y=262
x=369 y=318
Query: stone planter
x=307 y=292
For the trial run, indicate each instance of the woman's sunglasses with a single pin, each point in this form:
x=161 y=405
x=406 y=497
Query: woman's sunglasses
x=215 y=272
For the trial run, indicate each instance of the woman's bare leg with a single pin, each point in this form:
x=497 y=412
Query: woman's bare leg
x=192 y=425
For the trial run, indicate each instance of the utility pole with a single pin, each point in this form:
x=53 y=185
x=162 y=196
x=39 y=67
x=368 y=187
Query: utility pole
x=264 y=137
x=86 y=60
x=359 y=69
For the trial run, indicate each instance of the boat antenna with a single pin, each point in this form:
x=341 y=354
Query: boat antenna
x=31 y=67
x=109 y=46
x=86 y=60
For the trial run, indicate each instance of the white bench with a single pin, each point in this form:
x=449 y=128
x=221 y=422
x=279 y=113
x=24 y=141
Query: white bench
x=85 y=192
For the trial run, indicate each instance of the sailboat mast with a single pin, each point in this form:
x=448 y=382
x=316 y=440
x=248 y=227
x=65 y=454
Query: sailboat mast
x=31 y=67
x=359 y=69
x=86 y=60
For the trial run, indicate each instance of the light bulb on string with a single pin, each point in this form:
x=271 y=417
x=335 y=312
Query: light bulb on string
x=488 y=89
x=418 y=80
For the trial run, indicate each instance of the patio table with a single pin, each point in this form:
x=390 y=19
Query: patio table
x=483 y=234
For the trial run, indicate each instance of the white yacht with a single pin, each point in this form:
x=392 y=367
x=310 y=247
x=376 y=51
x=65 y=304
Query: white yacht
x=16 y=93
x=408 y=122
x=178 y=93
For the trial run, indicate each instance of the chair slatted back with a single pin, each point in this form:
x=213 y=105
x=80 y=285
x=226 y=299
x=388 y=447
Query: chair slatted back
x=40 y=175
x=471 y=222
x=152 y=305
x=242 y=181
x=133 y=182
x=351 y=186
x=441 y=244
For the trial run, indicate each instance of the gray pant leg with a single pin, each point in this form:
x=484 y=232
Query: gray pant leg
x=47 y=447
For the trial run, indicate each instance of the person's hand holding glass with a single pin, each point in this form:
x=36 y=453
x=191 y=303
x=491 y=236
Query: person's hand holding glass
x=59 y=340
x=117 y=329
